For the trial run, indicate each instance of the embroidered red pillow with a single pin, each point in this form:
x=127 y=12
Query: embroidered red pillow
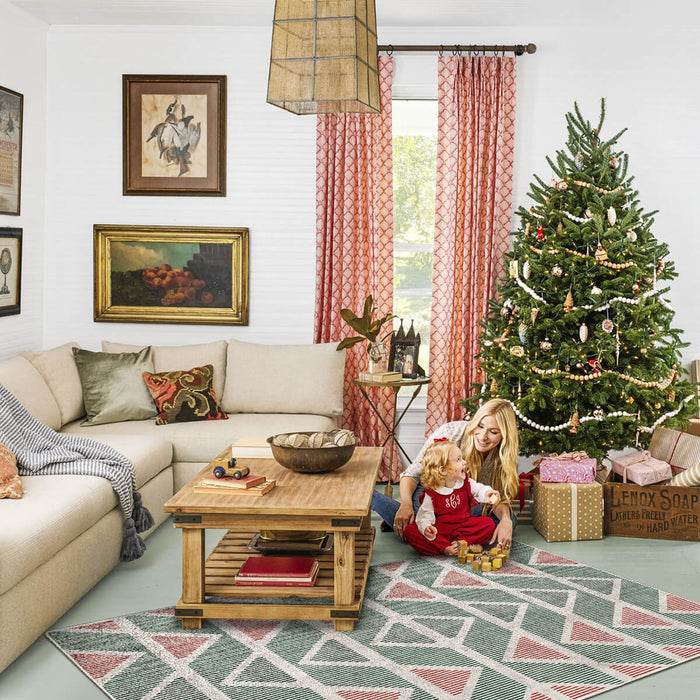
x=10 y=483
x=184 y=396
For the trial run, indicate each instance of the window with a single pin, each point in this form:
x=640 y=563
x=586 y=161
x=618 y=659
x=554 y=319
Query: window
x=415 y=145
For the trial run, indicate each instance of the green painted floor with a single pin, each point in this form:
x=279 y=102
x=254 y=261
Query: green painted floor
x=43 y=673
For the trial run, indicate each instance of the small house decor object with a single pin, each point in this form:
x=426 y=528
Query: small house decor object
x=323 y=57
x=313 y=452
x=10 y=270
x=403 y=353
x=11 y=110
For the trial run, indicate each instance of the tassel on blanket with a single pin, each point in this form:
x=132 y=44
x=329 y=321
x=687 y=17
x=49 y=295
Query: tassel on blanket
x=132 y=545
x=143 y=520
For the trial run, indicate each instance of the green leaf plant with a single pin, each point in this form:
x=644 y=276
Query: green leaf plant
x=366 y=325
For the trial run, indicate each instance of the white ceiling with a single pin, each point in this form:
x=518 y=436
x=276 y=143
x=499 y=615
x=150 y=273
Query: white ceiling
x=390 y=13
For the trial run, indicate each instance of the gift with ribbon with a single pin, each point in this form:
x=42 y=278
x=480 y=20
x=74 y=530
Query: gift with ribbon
x=641 y=468
x=568 y=468
x=680 y=450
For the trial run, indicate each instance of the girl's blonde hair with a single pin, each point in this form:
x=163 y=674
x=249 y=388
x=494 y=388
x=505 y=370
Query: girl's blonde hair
x=435 y=456
x=504 y=460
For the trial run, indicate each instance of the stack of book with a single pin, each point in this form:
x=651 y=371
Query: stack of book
x=251 y=447
x=380 y=376
x=251 y=485
x=277 y=571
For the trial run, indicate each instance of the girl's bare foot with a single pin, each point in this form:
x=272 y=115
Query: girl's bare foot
x=452 y=550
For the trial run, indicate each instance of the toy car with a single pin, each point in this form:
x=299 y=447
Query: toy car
x=227 y=467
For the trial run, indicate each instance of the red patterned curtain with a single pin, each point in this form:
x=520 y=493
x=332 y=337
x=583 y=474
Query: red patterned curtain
x=355 y=245
x=476 y=124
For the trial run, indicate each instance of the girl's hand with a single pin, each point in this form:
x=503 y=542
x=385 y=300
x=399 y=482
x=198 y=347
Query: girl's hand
x=404 y=516
x=430 y=532
x=452 y=550
x=493 y=496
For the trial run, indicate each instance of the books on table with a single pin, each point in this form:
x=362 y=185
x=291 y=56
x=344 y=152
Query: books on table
x=278 y=571
x=251 y=447
x=380 y=376
x=230 y=482
x=260 y=490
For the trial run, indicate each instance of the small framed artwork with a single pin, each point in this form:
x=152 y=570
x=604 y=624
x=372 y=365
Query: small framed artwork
x=174 y=135
x=11 y=108
x=10 y=270
x=403 y=356
x=171 y=274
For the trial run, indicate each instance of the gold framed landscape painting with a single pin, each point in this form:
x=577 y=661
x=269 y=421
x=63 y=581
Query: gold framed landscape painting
x=10 y=270
x=11 y=108
x=174 y=130
x=171 y=274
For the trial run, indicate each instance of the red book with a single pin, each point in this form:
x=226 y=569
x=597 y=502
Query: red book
x=278 y=567
x=246 y=482
x=275 y=581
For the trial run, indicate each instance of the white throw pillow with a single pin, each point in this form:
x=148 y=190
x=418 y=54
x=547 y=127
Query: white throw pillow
x=284 y=379
x=177 y=358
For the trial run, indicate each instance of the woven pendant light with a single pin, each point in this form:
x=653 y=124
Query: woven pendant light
x=323 y=57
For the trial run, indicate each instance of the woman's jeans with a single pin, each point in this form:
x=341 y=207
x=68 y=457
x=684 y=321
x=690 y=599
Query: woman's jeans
x=387 y=507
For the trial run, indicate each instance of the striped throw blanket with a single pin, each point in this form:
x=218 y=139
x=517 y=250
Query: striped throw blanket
x=41 y=450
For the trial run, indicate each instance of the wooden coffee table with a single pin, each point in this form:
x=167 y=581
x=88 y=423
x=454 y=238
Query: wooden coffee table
x=337 y=502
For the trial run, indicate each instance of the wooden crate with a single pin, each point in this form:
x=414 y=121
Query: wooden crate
x=654 y=512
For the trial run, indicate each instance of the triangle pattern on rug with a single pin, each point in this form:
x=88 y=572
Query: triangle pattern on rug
x=538 y=696
x=333 y=651
x=676 y=604
x=99 y=664
x=529 y=649
x=583 y=632
x=515 y=570
x=182 y=646
x=542 y=557
x=636 y=670
x=455 y=628
x=636 y=618
x=451 y=680
x=398 y=634
x=503 y=611
x=106 y=626
x=607 y=586
x=457 y=578
x=579 y=691
x=403 y=591
x=254 y=629
x=259 y=671
x=685 y=652
x=374 y=694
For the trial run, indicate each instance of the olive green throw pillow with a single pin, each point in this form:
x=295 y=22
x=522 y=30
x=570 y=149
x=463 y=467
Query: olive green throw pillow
x=113 y=386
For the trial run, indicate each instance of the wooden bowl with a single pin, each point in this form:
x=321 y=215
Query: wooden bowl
x=310 y=460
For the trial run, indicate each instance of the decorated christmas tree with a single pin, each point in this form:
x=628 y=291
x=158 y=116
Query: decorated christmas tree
x=580 y=340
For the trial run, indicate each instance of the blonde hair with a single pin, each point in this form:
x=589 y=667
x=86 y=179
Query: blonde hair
x=435 y=457
x=504 y=460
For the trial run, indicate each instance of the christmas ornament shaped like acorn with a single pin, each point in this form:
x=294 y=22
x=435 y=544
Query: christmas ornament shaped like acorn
x=583 y=332
x=560 y=227
x=612 y=215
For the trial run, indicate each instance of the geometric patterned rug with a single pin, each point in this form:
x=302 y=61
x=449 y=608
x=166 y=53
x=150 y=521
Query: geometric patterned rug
x=542 y=628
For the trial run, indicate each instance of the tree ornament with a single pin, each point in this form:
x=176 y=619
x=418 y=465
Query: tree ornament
x=588 y=213
x=630 y=399
x=522 y=331
x=560 y=227
x=617 y=346
x=596 y=290
x=607 y=325
x=568 y=302
x=657 y=405
x=613 y=162
x=643 y=351
x=557 y=271
x=526 y=269
x=632 y=235
x=583 y=332
x=517 y=351
x=494 y=386
x=545 y=345
x=598 y=413
x=574 y=423
x=595 y=366
x=600 y=253
x=533 y=315
x=513 y=269
x=578 y=160
x=671 y=396
x=561 y=185
x=612 y=215
x=520 y=390
x=540 y=232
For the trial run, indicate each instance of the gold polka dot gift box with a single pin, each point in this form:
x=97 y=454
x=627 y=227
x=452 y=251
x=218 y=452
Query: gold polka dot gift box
x=568 y=512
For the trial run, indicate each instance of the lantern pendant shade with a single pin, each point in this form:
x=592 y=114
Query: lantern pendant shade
x=323 y=57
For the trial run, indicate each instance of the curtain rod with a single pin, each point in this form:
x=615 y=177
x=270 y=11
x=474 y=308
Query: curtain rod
x=457 y=49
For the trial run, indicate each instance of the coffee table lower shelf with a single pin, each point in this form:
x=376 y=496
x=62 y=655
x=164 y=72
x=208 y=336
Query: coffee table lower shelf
x=311 y=602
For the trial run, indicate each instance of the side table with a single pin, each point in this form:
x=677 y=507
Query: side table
x=418 y=383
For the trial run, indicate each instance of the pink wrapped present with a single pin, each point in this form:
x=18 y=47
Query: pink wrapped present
x=641 y=468
x=568 y=468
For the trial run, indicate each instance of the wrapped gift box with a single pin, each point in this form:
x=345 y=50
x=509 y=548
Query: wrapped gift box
x=680 y=450
x=575 y=468
x=641 y=468
x=565 y=512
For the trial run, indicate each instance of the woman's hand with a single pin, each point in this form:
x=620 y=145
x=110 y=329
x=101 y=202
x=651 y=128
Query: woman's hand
x=430 y=532
x=503 y=534
x=404 y=516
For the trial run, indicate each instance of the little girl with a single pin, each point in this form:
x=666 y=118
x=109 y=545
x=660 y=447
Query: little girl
x=444 y=516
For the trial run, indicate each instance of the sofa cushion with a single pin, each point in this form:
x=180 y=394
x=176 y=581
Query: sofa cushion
x=181 y=397
x=57 y=509
x=113 y=386
x=10 y=482
x=171 y=358
x=57 y=367
x=284 y=379
x=19 y=376
x=203 y=440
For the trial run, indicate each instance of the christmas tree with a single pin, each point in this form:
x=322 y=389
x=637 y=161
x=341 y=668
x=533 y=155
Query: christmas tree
x=580 y=341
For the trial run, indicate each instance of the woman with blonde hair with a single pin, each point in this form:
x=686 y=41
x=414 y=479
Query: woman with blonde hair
x=489 y=443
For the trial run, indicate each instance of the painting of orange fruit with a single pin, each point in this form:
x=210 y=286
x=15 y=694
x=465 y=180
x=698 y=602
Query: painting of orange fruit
x=156 y=273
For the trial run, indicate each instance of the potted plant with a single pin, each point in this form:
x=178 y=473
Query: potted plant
x=368 y=327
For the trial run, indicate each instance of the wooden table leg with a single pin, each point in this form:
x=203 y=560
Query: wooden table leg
x=344 y=575
x=192 y=572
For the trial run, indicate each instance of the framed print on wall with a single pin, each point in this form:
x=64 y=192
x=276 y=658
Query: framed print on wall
x=171 y=274
x=11 y=108
x=10 y=270
x=174 y=131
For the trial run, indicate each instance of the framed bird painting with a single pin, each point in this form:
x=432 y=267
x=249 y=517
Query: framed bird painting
x=174 y=135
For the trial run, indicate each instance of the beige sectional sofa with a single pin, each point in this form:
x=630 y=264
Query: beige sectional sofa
x=65 y=534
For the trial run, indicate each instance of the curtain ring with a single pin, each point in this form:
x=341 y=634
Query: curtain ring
x=441 y=51
x=390 y=50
